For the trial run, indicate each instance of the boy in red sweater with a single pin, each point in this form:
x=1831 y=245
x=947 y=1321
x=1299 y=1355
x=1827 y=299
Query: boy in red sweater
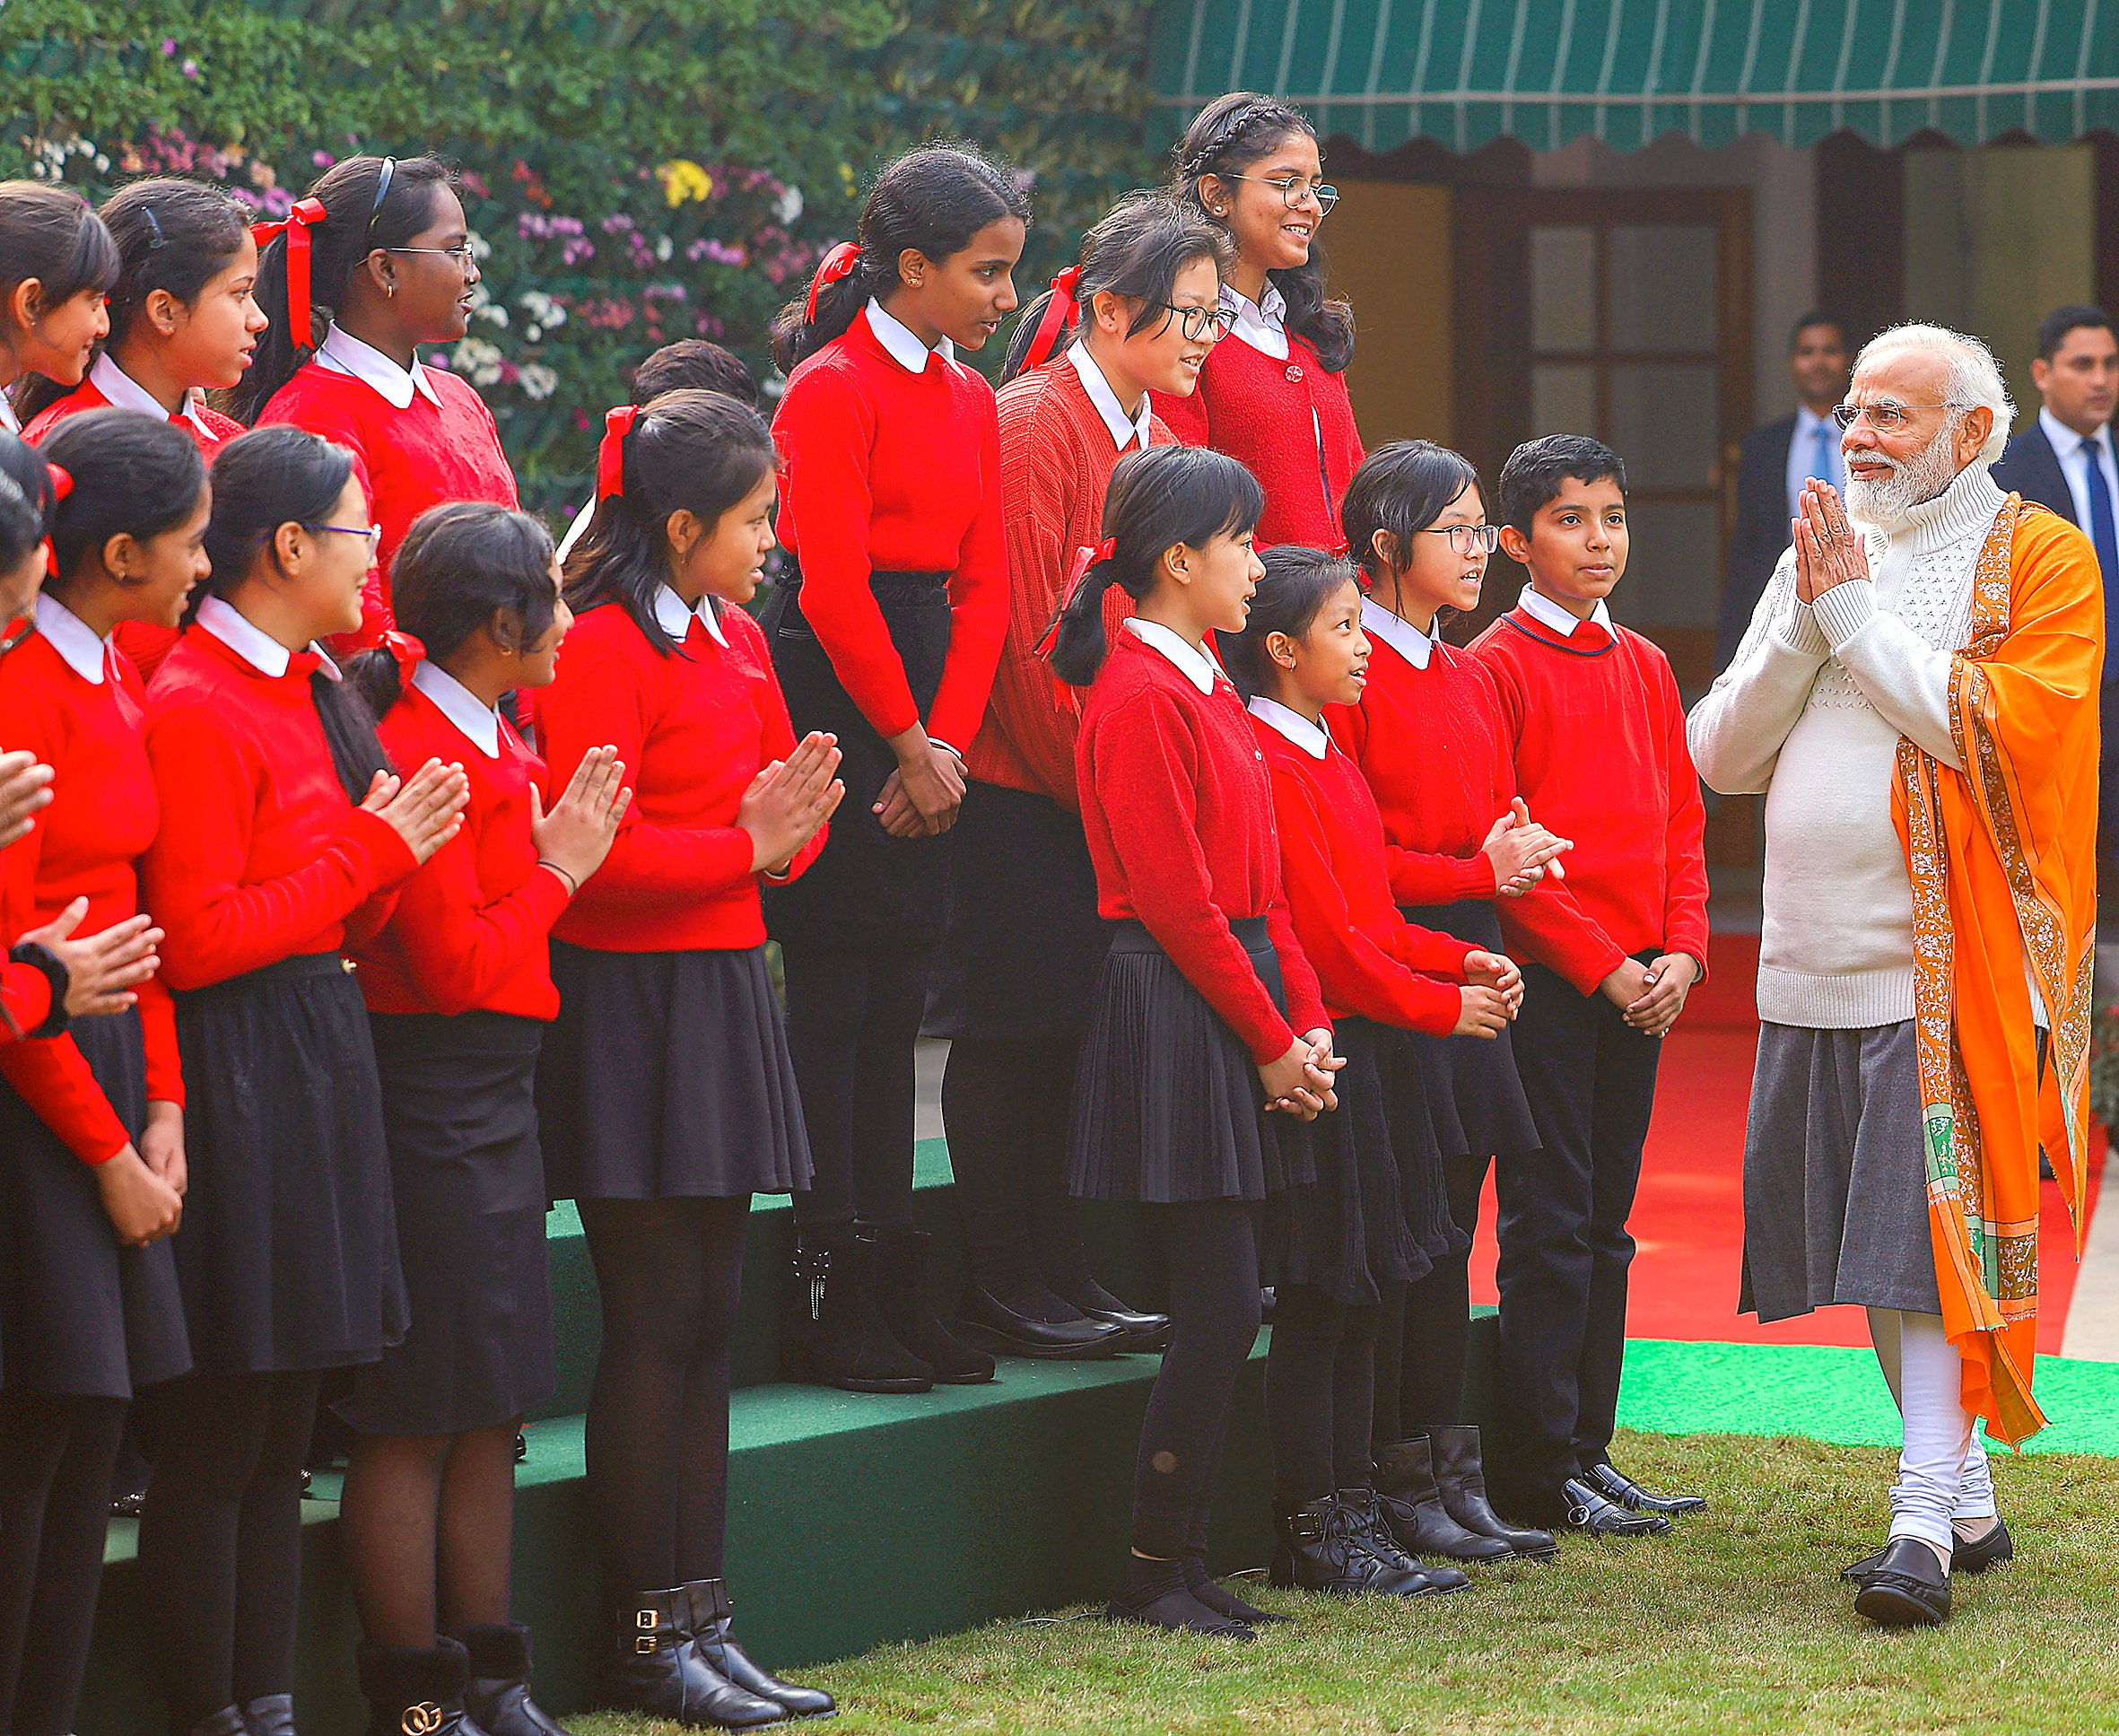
x=1599 y=734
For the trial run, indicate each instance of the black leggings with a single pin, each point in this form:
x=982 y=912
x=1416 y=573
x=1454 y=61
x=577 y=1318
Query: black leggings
x=1320 y=1387
x=1214 y=1313
x=852 y=1021
x=220 y=1539
x=56 y=1458
x=670 y=1275
x=1424 y=1333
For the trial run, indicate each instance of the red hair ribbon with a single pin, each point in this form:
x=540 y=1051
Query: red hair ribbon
x=1083 y=559
x=1339 y=548
x=295 y=227
x=62 y=483
x=405 y=651
x=1057 y=316
x=838 y=263
x=610 y=456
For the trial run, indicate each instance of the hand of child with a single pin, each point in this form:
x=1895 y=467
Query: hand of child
x=1287 y=1082
x=789 y=800
x=101 y=971
x=1493 y=971
x=25 y=786
x=1625 y=985
x=1665 y=984
x=141 y=1205
x=1520 y=851
x=1481 y=1013
x=578 y=834
x=161 y=1145
x=1323 y=1065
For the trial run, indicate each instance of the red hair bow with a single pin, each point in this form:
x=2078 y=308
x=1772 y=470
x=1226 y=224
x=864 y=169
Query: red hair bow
x=62 y=483
x=838 y=263
x=610 y=455
x=1083 y=559
x=1057 y=316
x=405 y=651
x=295 y=227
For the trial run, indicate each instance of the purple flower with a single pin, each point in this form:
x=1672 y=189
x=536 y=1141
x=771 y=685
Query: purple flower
x=322 y=159
x=190 y=69
x=169 y=47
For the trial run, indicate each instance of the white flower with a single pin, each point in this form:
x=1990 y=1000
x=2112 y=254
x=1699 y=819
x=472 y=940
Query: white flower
x=789 y=208
x=481 y=249
x=537 y=381
x=535 y=334
x=103 y=162
x=663 y=247
x=478 y=361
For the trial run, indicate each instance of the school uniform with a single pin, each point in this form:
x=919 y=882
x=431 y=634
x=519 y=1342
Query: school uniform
x=419 y=438
x=1597 y=729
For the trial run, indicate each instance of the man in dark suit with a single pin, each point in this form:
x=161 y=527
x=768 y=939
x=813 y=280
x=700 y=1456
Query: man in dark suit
x=1777 y=459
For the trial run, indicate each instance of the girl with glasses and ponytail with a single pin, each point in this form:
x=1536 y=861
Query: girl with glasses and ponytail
x=374 y=263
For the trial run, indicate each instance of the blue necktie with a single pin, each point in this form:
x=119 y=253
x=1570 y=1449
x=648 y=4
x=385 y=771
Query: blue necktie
x=1827 y=468
x=2105 y=538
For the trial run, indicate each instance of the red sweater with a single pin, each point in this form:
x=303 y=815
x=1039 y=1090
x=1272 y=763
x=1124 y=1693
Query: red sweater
x=261 y=857
x=1370 y=960
x=692 y=729
x=1179 y=811
x=470 y=929
x=1291 y=422
x=1431 y=745
x=407 y=460
x=102 y=815
x=1055 y=460
x=886 y=471
x=144 y=643
x=1601 y=757
x=25 y=991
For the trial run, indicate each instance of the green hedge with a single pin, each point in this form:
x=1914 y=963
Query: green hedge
x=631 y=175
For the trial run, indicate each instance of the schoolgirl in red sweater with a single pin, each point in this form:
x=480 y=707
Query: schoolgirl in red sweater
x=666 y=1091
x=886 y=625
x=1207 y=1033
x=282 y=837
x=1277 y=397
x=58 y=262
x=1138 y=309
x=380 y=248
x=183 y=322
x=91 y=1119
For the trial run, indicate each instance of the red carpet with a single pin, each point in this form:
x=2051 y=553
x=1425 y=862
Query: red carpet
x=1689 y=1219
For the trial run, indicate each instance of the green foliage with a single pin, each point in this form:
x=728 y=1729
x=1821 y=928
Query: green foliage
x=633 y=174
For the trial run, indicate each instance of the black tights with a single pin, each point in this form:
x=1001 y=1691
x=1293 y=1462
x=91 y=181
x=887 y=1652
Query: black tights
x=220 y=1539
x=427 y=1526
x=670 y=1274
x=1006 y=1105
x=55 y=1457
x=1424 y=1334
x=852 y=1021
x=1320 y=1386
x=1214 y=1314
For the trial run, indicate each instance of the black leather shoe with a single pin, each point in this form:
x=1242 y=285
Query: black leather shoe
x=1433 y=1580
x=274 y=1715
x=1607 y=1479
x=227 y=1722
x=1411 y=1507
x=1325 y=1547
x=1906 y=1588
x=1589 y=1512
x=987 y=1321
x=497 y=1695
x=656 y=1668
x=1145 y=1332
x=908 y=1309
x=1155 y=1595
x=1974 y=1555
x=1219 y=1599
x=1460 y=1475
x=711 y=1623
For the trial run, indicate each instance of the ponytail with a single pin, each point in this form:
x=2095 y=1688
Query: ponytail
x=132 y=476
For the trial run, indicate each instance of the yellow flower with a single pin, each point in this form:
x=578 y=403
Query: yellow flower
x=683 y=180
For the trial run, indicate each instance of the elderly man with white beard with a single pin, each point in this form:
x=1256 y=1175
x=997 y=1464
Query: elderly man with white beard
x=1916 y=698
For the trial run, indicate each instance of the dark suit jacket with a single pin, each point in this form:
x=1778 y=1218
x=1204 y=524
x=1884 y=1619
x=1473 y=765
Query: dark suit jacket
x=1761 y=531
x=2029 y=467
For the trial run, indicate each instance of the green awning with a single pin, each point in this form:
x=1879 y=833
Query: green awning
x=1464 y=71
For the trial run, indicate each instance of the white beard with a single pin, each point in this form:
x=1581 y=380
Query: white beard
x=1889 y=505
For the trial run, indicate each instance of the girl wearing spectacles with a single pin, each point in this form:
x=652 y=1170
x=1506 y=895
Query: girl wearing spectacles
x=388 y=262
x=1276 y=398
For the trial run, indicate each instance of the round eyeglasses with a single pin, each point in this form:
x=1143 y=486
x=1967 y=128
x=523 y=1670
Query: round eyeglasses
x=1467 y=539
x=1211 y=324
x=1295 y=189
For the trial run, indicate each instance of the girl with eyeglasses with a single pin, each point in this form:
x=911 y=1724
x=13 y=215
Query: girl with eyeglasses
x=1276 y=398
x=283 y=838
x=58 y=262
x=381 y=247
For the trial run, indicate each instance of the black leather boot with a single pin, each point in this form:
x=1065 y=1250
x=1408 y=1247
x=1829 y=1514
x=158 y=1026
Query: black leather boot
x=834 y=1335
x=274 y=1715
x=415 y=1692
x=1462 y=1480
x=497 y=1695
x=1368 y=1515
x=1411 y=1505
x=656 y=1668
x=1323 y=1548
x=709 y=1620
x=909 y=1309
x=227 y=1722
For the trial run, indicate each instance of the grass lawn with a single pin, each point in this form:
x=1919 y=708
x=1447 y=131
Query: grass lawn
x=1736 y=1623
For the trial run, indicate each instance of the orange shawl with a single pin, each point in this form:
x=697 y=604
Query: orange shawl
x=2002 y=859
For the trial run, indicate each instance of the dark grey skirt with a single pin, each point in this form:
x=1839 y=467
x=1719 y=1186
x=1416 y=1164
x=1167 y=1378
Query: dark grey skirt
x=1474 y=1091
x=1835 y=1183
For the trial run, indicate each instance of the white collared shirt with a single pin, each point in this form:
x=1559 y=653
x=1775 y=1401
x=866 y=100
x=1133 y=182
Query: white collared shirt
x=1189 y=661
x=126 y=393
x=1125 y=430
x=8 y=419
x=1312 y=739
x=344 y=353
x=259 y=648
x=1802 y=457
x=1404 y=637
x=1542 y=609
x=479 y=725
x=903 y=343
x=1262 y=324
x=72 y=638
x=2074 y=463
x=676 y=620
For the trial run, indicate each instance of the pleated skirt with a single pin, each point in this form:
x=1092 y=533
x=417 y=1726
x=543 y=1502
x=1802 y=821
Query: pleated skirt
x=1475 y=1095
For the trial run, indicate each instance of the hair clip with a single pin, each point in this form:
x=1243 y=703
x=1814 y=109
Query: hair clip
x=154 y=223
x=838 y=263
x=610 y=452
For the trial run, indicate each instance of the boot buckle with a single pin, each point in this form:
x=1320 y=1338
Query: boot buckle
x=645 y=1621
x=421 y=1719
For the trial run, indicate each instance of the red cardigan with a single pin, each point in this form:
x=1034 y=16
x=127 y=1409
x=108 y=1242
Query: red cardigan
x=470 y=927
x=1179 y=812
x=1370 y=960
x=1601 y=756
x=886 y=471
x=693 y=728
x=103 y=814
x=261 y=857
x=1291 y=422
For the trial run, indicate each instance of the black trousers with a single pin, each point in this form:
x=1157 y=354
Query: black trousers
x=1590 y=1080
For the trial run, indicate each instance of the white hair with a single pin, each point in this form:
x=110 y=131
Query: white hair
x=1975 y=378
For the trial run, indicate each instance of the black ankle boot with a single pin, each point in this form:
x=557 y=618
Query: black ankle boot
x=834 y=1335
x=1323 y=1548
x=415 y=1692
x=656 y=1668
x=1368 y=1522
x=227 y=1722
x=274 y=1715
x=908 y=1310
x=497 y=1695
x=709 y=1620
x=1155 y=1595
x=1411 y=1505
x=1462 y=1480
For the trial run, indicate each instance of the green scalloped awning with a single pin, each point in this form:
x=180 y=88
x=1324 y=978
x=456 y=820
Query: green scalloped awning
x=1465 y=72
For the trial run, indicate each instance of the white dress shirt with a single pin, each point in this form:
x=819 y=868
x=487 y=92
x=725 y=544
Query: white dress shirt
x=126 y=393
x=478 y=724
x=72 y=638
x=344 y=353
x=2074 y=463
x=1802 y=457
x=902 y=342
x=1542 y=609
x=1125 y=430
x=1189 y=661
x=1262 y=324
x=12 y=422
x=1312 y=739
x=259 y=649
x=1404 y=637
x=676 y=620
